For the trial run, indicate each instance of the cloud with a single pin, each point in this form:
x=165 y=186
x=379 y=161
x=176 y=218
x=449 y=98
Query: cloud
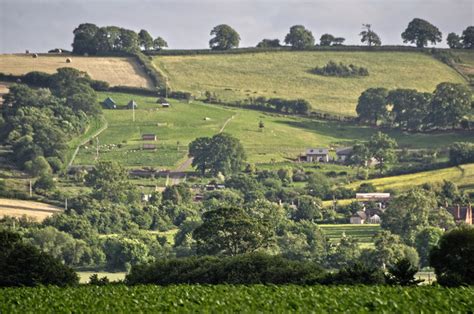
x=40 y=25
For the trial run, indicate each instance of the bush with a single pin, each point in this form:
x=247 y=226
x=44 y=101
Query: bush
x=245 y=269
x=340 y=70
x=45 y=182
x=453 y=258
x=461 y=153
x=356 y=274
x=25 y=265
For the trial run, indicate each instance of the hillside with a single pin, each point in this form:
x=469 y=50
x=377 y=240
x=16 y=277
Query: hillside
x=282 y=137
x=286 y=75
x=462 y=175
x=114 y=70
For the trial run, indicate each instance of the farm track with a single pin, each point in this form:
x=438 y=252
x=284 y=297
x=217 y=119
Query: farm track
x=179 y=173
x=97 y=133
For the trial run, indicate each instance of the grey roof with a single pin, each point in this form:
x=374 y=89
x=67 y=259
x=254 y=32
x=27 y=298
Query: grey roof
x=108 y=101
x=317 y=151
x=344 y=151
x=361 y=214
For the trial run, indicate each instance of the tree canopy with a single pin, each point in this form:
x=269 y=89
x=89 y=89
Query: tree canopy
x=369 y=36
x=221 y=153
x=299 y=37
x=420 y=32
x=225 y=37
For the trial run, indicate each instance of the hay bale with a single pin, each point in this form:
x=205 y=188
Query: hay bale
x=68 y=60
x=35 y=55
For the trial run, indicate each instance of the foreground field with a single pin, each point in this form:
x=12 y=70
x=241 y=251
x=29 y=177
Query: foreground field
x=115 y=71
x=283 y=137
x=462 y=175
x=228 y=298
x=19 y=208
x=286 y=75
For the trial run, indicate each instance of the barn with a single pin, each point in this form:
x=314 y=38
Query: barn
x=109 y=103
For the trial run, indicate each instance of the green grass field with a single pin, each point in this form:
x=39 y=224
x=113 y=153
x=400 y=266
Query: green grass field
x=237 y=299
x=463 y=176
x=283 y=137
x=363 y=233
x=286 y=75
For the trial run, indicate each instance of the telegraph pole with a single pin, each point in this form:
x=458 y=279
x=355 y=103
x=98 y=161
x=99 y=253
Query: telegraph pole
x=133 y=111
x=31 y=189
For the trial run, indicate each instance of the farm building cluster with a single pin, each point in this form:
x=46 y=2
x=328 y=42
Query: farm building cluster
x=326 y=155
x=109 y=103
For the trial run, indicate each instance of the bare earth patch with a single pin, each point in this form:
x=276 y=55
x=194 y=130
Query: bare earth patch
x=114 y=70
x=19 y=208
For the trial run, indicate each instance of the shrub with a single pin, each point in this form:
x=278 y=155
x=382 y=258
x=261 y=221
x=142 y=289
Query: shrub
x=461 y=153
x=340 y=70
x=25 y=265
x=453 y=258
x=245 y=269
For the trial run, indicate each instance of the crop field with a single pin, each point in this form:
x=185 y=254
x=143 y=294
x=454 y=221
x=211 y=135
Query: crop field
x=35 y=210
x=462 y=175
x=282 y=138
x=363 y=233
x=286 y=75
x=243 y=299
x=115 y=71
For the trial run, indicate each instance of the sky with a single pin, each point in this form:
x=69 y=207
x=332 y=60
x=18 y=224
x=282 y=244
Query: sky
x=40 y=25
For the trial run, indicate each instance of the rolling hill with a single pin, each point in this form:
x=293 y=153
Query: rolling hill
x=114 y=70
x=283 y=136
x=286 y=75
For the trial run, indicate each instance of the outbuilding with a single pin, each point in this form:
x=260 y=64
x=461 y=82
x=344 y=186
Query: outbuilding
x=343 y=154
x=109 y=103
x=317 y=155
x=149 y=137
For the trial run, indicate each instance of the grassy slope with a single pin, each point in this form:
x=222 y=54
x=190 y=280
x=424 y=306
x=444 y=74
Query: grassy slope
x=181 y=123
x=283 y=136
x=285 y=75
x=116 y=70
x=463 y=176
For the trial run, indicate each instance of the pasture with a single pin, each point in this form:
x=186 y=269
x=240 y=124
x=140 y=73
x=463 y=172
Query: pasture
x=34 y=210
x=237 y=298
x=286 y=75
x=363 y=233
x=462 y=175
x=283 y=137
x=114 y=70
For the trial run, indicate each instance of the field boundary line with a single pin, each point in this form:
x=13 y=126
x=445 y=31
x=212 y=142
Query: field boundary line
x=97 y=133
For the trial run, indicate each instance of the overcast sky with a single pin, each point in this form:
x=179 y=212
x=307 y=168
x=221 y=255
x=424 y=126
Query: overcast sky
x=39 y=25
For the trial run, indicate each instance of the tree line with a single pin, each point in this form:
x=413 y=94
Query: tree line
x=91 y=39
x=408 y=109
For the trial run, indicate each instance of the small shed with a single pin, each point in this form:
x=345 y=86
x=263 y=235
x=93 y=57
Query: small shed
x=132 y=104
x=149 y=137
x=317 y=155
x=149 y=146
x=343 y=154
x=358 y=218
x=165 y=105
x=109 y=103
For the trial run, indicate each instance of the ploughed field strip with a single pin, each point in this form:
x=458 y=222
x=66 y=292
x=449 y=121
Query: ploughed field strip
x=114 y=70
x=19 y=208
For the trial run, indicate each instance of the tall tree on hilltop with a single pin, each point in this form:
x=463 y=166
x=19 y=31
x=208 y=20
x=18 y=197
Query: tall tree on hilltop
x=225 y=37
x=299 y=37
x=420 y=32
x=146 y=41
x=369 y=36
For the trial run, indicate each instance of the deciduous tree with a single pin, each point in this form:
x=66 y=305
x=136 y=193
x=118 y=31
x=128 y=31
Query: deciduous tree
x=420 y=32
x=299 y=37
x=225 y=37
